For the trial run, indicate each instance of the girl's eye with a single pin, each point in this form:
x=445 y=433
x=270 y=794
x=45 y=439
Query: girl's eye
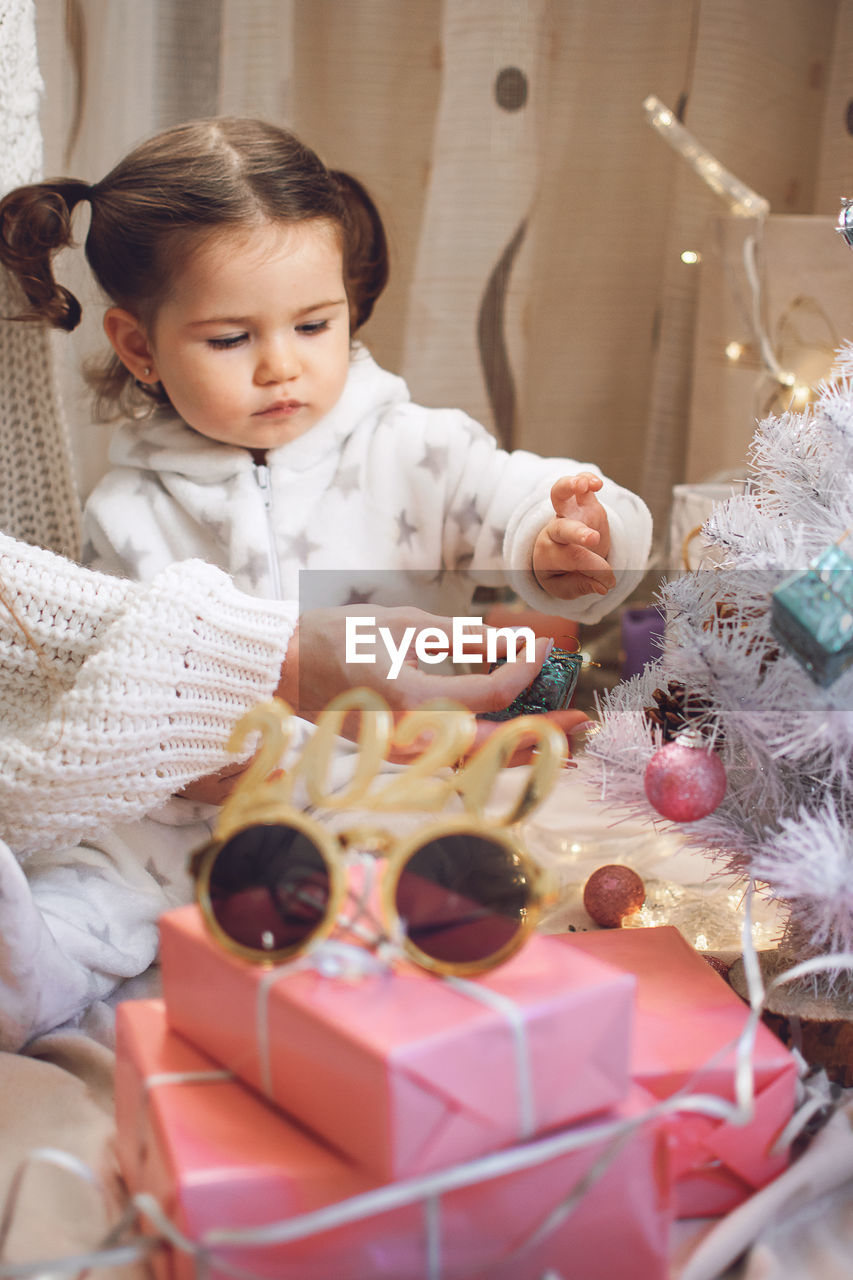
x=225 y=344
x=312 y=326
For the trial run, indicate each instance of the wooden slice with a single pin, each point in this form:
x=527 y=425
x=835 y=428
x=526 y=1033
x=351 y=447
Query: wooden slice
x=806 y=1015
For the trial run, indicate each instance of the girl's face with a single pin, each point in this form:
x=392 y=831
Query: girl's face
x=252 y=345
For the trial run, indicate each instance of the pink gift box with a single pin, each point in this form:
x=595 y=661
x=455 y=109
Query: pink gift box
x=401 y=1070
x=686 y=1014
x=215 y=1156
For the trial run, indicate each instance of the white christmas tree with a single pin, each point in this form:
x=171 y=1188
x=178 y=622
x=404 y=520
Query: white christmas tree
x=759 y=677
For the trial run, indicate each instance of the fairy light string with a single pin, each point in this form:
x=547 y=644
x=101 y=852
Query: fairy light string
x=742 y=202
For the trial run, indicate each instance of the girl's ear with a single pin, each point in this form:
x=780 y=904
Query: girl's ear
x=130 y=343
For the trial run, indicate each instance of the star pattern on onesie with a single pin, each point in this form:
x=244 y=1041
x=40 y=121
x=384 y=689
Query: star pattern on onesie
x=301 y=547
x=157 y=876
x=254 y=567
x=405 y=530
x=218 y=529
x=434 y=459
x=467 y=516
x=102 y=934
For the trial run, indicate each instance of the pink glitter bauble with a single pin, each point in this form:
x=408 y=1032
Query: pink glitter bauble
x=685 y=783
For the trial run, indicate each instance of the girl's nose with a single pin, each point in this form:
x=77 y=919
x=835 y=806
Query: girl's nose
x=279 y=362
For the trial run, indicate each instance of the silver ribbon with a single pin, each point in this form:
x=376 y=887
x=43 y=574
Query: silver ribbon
x=429 y=1188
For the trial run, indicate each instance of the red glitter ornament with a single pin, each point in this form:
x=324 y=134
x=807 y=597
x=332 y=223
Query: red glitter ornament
x=684 y=782
x=611 y=893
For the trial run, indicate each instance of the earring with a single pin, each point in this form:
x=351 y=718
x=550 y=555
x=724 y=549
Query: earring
x=146 y=372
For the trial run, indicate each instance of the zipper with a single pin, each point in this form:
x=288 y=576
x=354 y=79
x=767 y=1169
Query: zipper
x=262 y=476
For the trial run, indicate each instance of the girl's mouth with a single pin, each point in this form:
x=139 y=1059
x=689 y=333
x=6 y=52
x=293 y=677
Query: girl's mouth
x=281 y=409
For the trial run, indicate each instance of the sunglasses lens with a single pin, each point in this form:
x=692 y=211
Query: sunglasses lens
x=269 y=888
x=462 y=898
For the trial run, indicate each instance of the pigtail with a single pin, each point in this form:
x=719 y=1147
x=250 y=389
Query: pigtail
x=366 y=257
x=35 y=223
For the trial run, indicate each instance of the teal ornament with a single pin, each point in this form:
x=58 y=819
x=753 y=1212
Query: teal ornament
x=552 y=690
x=812 y=616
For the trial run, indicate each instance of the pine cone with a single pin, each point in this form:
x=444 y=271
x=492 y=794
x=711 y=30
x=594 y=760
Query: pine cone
x=675 y=709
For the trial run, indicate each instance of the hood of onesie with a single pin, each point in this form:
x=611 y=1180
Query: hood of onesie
x=164 y=442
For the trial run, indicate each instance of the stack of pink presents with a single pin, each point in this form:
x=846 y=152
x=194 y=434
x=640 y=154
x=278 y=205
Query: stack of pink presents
x=400 y=1125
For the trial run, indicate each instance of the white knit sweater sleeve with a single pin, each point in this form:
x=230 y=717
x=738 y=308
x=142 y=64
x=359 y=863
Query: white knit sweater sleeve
x=119 y=693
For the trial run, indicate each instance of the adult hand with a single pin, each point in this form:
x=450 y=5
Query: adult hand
x=316 y=668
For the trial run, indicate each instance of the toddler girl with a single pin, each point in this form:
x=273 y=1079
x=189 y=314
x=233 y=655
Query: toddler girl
x=256 y=433
x=258 y=436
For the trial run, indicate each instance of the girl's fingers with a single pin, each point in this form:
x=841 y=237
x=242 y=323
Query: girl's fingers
x=567 y=532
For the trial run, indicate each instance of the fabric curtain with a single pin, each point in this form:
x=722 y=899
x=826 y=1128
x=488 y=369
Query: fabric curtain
x=536 y=221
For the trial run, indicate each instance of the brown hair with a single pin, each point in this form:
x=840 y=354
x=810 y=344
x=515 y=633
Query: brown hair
x=194 y=177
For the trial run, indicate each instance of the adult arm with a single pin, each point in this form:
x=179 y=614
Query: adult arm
x=317 y=669
x=116 y=694
x=119 y=694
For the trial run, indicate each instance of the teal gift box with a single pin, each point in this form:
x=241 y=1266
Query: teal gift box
x=812 y=616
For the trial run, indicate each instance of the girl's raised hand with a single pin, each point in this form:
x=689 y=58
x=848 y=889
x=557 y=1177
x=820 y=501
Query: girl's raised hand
x=570 y=554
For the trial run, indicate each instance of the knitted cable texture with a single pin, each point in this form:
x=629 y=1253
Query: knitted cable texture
x=20 y=87
x=38 y=498
x=128 y=692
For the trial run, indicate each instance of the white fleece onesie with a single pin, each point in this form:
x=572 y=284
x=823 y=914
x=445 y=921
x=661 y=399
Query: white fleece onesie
x=378 y=485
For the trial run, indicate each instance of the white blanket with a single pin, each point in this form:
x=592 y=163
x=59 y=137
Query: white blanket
x=80 y=922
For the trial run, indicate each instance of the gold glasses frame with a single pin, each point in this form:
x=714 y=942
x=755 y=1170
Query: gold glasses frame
x=264 y=798
x=396 y=857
